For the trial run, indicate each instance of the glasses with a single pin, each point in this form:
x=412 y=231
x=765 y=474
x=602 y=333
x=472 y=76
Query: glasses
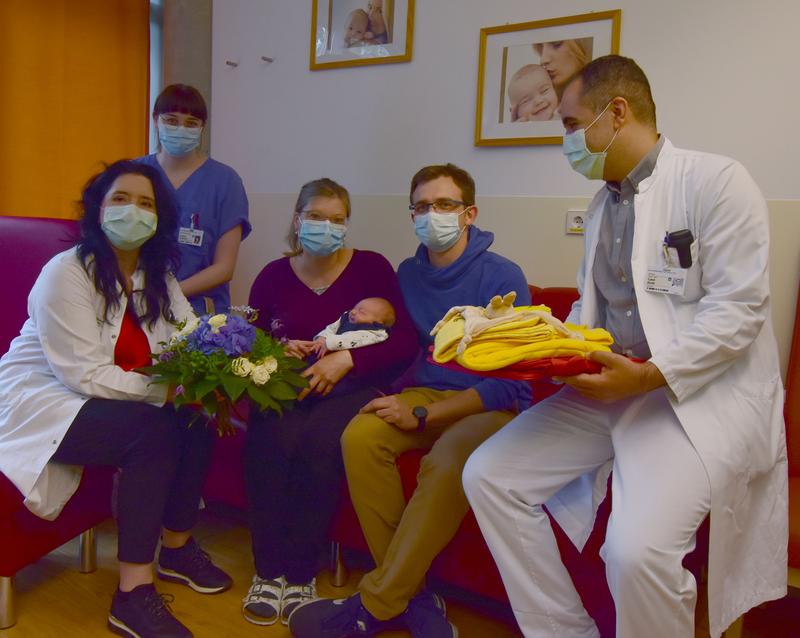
x=174 y=120
x=317 y=216
x=438 y=206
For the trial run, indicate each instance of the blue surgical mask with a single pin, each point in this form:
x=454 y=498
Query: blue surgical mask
x=581 y=159
x=178 y=140
x=128 y=227
x=321 y=238
x=438 y=231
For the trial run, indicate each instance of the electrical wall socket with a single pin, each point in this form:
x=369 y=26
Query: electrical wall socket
x=574 y=222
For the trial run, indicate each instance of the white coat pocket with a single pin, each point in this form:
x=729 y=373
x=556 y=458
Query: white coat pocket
x=694 y=275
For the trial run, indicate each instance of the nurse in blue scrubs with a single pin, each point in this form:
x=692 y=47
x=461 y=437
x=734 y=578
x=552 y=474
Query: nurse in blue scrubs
x=211 y=196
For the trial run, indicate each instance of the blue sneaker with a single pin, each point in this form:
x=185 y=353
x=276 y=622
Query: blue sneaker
x=426 y=617
x=192 y=566
x=433 y=599
x=343 y=618
x=144 y=613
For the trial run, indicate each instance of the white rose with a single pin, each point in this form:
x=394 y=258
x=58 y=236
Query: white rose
x=216 y=322
x=188 y=329
x=260 y=375
x=271 y=364
x=241 y=367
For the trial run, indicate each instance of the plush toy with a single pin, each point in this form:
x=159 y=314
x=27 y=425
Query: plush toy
x=499 y=311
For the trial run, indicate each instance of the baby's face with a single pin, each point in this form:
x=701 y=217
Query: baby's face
x=355 y=28
x=367 y=311
x=533 y=96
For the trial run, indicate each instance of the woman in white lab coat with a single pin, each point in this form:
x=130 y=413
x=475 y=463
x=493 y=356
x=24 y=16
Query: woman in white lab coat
x=70 y=395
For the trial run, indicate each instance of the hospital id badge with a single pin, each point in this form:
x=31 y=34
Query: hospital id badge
x=668 y=281
x=191 y=236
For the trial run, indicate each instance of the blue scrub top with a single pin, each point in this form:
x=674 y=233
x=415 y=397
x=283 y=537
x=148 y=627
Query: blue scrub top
x=213 y=200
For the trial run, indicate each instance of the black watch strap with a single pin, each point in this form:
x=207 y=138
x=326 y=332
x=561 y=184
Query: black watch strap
x=421 y=412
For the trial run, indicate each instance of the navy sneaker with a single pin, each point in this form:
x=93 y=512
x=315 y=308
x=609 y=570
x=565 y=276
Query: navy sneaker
x=296 y=595
x=343 y=618
x=192 y=566
x=433 y=599
x=426 y=617
x=144 y=613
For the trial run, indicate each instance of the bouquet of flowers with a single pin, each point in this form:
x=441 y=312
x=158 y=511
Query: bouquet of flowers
x=217 y=359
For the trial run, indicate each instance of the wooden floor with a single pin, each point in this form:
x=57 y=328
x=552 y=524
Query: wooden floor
x=54 y=600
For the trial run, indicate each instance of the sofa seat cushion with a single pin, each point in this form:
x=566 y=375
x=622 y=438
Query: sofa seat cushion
x=32 y=537
x=10 y=497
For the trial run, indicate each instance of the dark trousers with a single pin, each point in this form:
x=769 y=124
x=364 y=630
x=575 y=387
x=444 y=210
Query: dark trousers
x=164 y=461
x=294 y=472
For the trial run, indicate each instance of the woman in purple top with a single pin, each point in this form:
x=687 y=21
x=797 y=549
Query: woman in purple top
x=293 y=464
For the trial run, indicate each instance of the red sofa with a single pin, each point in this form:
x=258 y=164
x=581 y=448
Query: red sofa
x=467 y=563
x=26 y=244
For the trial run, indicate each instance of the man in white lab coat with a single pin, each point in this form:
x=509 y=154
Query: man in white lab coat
x=676 y=268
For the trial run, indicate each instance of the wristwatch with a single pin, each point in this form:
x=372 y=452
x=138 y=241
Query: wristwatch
x=421 y=412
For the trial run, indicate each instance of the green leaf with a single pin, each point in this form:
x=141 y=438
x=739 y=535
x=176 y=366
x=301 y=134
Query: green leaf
x=202 y=387
x=210 y=404
x=282 y=390
x=263 y=399
x=295 y=379
x=234 y=386
x=293 y=363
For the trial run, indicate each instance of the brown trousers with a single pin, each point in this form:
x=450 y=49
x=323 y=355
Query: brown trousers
x=404 y=538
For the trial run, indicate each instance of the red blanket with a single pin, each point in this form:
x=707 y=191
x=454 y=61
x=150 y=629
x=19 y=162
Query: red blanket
x=533 y=370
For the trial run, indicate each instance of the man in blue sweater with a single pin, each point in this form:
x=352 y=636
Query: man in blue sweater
x=447 y=412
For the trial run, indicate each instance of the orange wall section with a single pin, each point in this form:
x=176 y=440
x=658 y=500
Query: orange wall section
x=73 y=94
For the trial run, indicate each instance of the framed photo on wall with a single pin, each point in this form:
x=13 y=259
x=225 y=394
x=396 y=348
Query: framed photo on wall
x=522 y=71
x=360 y=32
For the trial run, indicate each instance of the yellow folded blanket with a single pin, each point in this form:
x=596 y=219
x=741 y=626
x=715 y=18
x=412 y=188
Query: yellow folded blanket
x=492 y=355
x=450 y=333
x=528 y=338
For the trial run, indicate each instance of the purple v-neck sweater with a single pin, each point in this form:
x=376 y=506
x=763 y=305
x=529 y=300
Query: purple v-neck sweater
x=288 y=308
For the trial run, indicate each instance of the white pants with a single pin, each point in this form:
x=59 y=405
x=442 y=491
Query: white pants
x=660 y=496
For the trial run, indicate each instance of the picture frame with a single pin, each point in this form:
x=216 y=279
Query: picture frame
x=348 y=33
x=523 y=68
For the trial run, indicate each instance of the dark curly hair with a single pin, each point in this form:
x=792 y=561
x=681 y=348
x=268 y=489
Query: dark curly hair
x=158 y=256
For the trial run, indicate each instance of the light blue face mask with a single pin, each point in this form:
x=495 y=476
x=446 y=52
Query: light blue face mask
x=128 y=227
x=438 y=231
x=321 y=238
x=581 y=159
x=178 y=140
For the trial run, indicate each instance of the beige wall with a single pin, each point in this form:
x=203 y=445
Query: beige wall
x=187 y=49
x=528 y=230
x=370 y=128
